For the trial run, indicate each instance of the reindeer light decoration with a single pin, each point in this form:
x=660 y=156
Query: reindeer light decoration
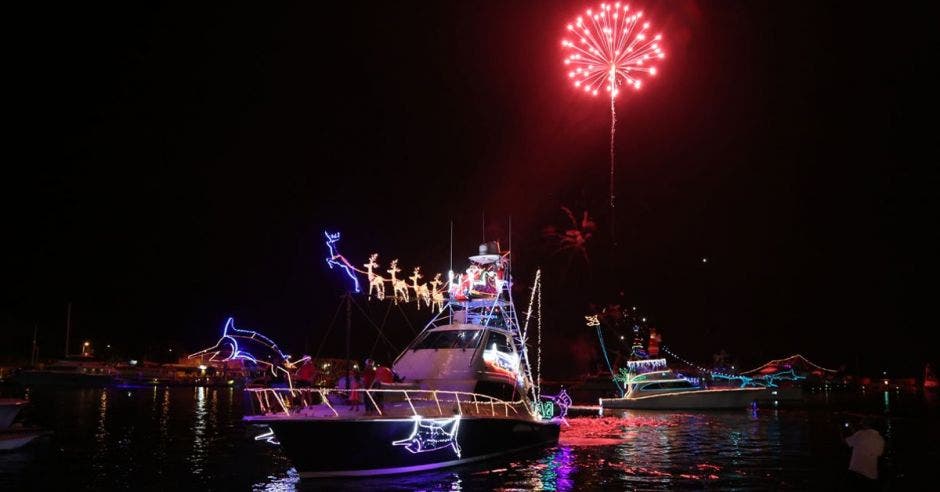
x=399 y=287
x=336 y=259
x=430 y=293
x=437 y=297
x=376 y=282
x=420 y=290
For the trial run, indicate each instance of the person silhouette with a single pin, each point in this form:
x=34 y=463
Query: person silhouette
x=867 y=446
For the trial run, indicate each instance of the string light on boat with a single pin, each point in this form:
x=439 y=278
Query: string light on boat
x=693 y=365
x=337 y=260
x=538 y=285
x=506 y=363
x=777 y=362
x=227 y=349
x=646 y=365
x=427 y=293
x=267 y=437
x=431 y=435
x=561 y=400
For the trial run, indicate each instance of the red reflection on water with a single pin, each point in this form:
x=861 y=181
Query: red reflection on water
x=599 y=431
x=612 y=431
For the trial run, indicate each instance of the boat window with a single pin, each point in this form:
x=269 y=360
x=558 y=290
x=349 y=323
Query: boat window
x=652 y=386
x=677 y=385
x=501 y=341
x=450 y=339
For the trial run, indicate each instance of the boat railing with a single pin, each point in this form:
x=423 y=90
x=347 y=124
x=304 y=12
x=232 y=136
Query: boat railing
x=290 y=402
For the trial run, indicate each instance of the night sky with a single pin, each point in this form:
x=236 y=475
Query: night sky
x=173 y=165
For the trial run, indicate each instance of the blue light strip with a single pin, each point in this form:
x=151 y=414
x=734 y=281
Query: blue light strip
x=600 y=336
x=331 y=261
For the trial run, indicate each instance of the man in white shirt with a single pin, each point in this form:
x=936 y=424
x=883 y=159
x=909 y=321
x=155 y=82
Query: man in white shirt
x=867 y=446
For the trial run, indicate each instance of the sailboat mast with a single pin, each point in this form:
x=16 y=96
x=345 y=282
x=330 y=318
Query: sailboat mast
x=34 y=354
x=68 y=327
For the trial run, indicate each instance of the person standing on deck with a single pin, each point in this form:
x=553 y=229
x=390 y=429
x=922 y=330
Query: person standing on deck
x=867 y=446
x=368 y=380
x=355 y=396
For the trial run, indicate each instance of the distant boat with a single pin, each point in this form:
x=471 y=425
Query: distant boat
x=930 y=378
x=74 y=371
x=650 y=385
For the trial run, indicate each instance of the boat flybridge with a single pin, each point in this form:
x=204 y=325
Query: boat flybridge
x=466 y=393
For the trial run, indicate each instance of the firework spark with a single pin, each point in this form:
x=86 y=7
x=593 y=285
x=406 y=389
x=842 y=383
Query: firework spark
x=609 y=48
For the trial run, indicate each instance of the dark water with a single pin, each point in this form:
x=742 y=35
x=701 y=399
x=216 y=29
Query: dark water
x=193 y=438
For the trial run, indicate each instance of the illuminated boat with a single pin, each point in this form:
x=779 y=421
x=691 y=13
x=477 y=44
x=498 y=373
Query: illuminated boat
x=467 y=394
x=74 y=371
x=650 y=385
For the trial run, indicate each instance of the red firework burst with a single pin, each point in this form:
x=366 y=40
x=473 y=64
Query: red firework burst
x=611 y=47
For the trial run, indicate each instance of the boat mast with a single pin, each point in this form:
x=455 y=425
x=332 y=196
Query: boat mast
x=34 y=354
x=68 y=328
x=348 y=335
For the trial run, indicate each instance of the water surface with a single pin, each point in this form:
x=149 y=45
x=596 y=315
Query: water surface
x=194 y=438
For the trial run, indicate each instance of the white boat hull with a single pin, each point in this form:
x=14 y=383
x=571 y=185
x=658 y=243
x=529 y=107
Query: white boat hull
x=706 y=399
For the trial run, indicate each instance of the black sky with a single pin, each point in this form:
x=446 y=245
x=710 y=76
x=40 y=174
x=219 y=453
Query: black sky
x=172 y=165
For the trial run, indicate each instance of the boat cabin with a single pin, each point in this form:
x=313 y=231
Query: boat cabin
x=463 y=357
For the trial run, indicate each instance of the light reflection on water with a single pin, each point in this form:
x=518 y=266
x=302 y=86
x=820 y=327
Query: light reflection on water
x=199 y=432
x=111 y=438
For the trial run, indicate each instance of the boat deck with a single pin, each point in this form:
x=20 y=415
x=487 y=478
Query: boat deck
x=334 y=404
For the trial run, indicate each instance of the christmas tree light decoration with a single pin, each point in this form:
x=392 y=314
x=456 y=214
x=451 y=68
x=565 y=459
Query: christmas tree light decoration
x=432 y=435
x=609 y=48
x=336 y=259
x=376 y=282
x=592 y=320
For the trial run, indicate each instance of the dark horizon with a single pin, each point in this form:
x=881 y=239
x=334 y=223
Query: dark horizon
x=179 y=164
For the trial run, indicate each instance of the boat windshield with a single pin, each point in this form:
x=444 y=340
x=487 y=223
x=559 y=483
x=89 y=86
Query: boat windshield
x=450 y=339
x=669 y=385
